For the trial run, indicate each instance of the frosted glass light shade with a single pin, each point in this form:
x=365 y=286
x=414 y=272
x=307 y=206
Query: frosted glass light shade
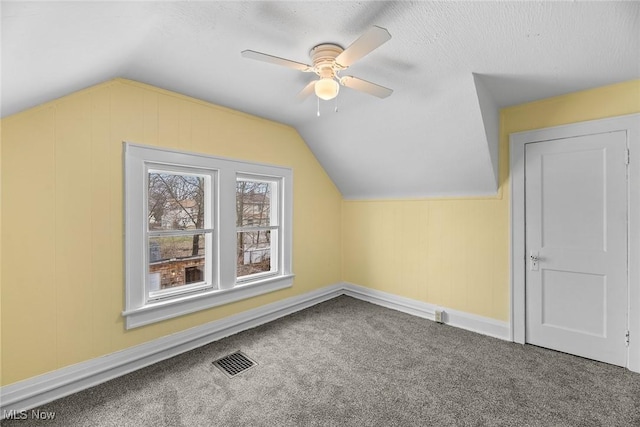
x=327 y=88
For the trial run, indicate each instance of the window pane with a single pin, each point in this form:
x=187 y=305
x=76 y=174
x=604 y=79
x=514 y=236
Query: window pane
x=176 y=261
x=253 y=203
x=254 y=252
x=176 y=201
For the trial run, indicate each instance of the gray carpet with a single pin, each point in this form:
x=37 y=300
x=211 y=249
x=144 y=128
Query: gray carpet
x=348 y=362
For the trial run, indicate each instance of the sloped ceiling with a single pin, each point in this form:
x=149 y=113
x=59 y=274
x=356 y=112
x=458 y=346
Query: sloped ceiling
x=451 y=65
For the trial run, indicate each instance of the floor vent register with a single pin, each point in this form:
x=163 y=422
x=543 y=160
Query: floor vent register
x=234 y=364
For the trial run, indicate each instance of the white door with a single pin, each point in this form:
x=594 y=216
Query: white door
x=576 y=245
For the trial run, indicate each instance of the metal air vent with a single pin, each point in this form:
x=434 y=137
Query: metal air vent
x=234 y=363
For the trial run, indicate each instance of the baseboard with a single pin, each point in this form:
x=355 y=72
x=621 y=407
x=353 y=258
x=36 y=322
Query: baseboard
x=459 y=319
x=37 y=391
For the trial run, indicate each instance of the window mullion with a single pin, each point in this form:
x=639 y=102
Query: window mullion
x=227 y=233
x=261 y=228
x=169 y=233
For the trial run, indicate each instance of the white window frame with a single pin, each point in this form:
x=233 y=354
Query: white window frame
x=222 y=287
x=275 y=227
x=208 y=231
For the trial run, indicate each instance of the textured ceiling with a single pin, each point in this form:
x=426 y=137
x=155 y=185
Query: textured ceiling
x=451 y=65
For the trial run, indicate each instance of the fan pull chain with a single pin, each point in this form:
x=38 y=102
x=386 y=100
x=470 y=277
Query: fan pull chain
x=318 y=99
x=336 y=108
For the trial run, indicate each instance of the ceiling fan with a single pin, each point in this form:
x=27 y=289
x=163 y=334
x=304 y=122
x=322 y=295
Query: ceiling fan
x=329 y=60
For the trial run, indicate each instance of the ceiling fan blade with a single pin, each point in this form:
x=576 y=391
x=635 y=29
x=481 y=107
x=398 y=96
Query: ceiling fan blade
x=252 y=54
x=372 y=39
x=308 y=90
x=365 y=86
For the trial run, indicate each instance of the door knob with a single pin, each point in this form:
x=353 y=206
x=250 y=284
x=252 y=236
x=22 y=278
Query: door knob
x=533 y=261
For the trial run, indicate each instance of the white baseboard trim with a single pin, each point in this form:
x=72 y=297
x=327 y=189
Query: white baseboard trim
x=42 y=389
x=459 y=319
x=37 y=391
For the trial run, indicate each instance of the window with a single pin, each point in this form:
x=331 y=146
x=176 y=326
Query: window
x=201 y=231
x=179 y=230
x=257 y=227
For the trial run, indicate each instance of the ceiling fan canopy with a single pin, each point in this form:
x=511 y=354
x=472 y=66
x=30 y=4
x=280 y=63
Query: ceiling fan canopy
x=329 y=60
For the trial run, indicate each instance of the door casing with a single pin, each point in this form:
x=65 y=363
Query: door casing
x=630 y=124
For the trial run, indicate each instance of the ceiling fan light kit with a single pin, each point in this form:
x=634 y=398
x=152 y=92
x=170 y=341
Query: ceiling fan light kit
x=326 y=88
x=329 y=60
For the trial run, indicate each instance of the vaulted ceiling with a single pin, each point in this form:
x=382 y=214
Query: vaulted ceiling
x=451 y=65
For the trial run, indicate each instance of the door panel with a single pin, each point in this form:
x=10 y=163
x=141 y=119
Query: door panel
x=573 y=208
x=576 y=227
x=560 y=308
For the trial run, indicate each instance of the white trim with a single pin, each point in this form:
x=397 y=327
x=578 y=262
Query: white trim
x=459 y=319
x=42 y=389
x=45 y=388
x=156 y=312
x=629 y=123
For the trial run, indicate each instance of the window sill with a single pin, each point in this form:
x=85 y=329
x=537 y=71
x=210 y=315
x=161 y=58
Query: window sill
x=163 y=310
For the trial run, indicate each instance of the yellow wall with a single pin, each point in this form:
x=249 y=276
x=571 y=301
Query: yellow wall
x=62 y=216
x=61 y=231
x=455 y=252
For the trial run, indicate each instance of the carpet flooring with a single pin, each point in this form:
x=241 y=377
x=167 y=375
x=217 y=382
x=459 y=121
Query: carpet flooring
x=346 y=362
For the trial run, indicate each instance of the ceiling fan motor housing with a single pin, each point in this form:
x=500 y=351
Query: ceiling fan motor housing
x=323 y=57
